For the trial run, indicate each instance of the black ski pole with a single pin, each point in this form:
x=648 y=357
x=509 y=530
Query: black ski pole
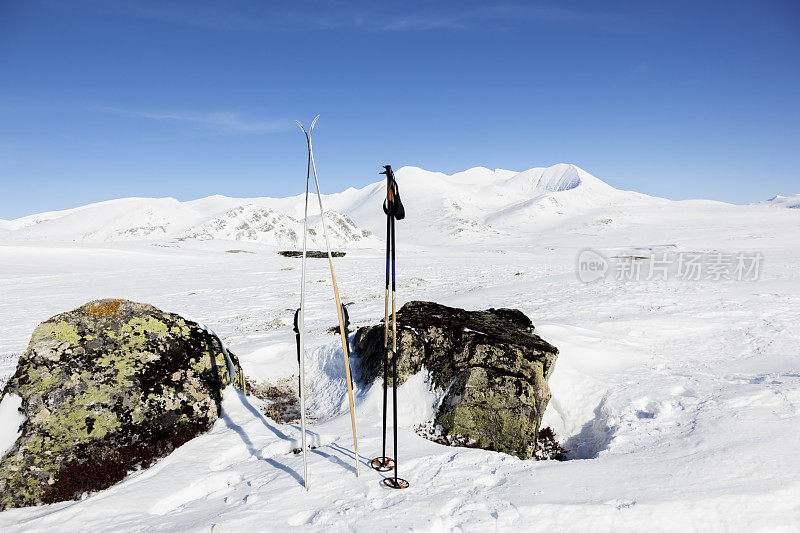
x=384 y=463
x=394 y=349
x=396 y=212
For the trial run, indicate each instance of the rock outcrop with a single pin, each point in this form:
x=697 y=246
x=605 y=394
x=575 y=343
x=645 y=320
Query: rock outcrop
x=492 y=366
x=106 y=389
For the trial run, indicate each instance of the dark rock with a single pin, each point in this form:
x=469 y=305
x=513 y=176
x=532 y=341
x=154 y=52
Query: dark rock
x=548 y=448
x=282 y=400
x=106 y=389
x=492 y=365
x=313 y=254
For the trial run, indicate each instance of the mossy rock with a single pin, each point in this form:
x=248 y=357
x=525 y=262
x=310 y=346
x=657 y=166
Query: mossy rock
x=491 y=363
x=106 y=389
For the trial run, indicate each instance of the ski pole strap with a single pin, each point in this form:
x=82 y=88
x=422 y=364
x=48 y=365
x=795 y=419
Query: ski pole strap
x=393 y=206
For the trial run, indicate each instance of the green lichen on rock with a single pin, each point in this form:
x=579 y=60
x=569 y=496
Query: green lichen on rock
x=491 y=363
x=108 y=388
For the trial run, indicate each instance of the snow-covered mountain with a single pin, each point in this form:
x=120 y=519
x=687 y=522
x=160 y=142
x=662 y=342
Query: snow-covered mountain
x=792 y=202
x=480 y=205
x=114 y=220
x=473 y=205
x=160 y=219
x=249 y=222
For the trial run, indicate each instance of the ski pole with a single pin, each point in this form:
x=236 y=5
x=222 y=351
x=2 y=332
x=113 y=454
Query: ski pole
x=390 y=201
x=384 y=463
x=393 y=207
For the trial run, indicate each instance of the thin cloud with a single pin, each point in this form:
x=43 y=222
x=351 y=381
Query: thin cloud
x=296 y=15
x=221 y=122
x=422 y=23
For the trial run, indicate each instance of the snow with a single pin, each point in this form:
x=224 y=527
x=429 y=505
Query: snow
x=11 y=420
x=792 y=202
x=472 y=206
x=166 y=220
x=679 y=401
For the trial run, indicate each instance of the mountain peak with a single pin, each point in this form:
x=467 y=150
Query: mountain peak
x=474 y=204
x=792 y=202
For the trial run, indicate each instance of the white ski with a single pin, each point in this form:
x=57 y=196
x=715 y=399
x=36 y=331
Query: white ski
x=301 y=314
x=345 y=341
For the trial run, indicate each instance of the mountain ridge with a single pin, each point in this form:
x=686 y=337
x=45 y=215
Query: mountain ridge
x=789 y=202
x=475 y=206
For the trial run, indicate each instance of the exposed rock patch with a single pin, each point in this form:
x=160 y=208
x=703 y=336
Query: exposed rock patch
x=282 y=399
x=312 y=254
x=106 y=389
x=491 y=364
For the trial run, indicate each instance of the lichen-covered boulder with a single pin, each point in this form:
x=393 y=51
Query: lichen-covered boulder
x=106 y=389
x=492 y=365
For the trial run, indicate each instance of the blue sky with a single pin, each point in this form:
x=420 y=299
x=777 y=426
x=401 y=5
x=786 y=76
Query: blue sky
x=106 y=99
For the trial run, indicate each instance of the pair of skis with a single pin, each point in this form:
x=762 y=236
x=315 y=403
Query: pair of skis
x=300 y=318
x=393 y=208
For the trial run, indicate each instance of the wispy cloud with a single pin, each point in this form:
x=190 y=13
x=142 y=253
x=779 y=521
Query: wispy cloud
x=422 y=22
x=220 y=122
x=305 y=15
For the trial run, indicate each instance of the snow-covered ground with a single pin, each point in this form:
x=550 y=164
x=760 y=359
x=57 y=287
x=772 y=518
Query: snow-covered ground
x=677 y=398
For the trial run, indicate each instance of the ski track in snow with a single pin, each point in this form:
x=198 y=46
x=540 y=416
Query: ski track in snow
x=679 y=402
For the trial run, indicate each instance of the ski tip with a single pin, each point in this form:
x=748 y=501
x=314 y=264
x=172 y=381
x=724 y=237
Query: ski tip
x=314 y=122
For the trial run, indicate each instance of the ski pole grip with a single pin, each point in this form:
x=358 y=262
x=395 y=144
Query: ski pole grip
x=392 y=206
